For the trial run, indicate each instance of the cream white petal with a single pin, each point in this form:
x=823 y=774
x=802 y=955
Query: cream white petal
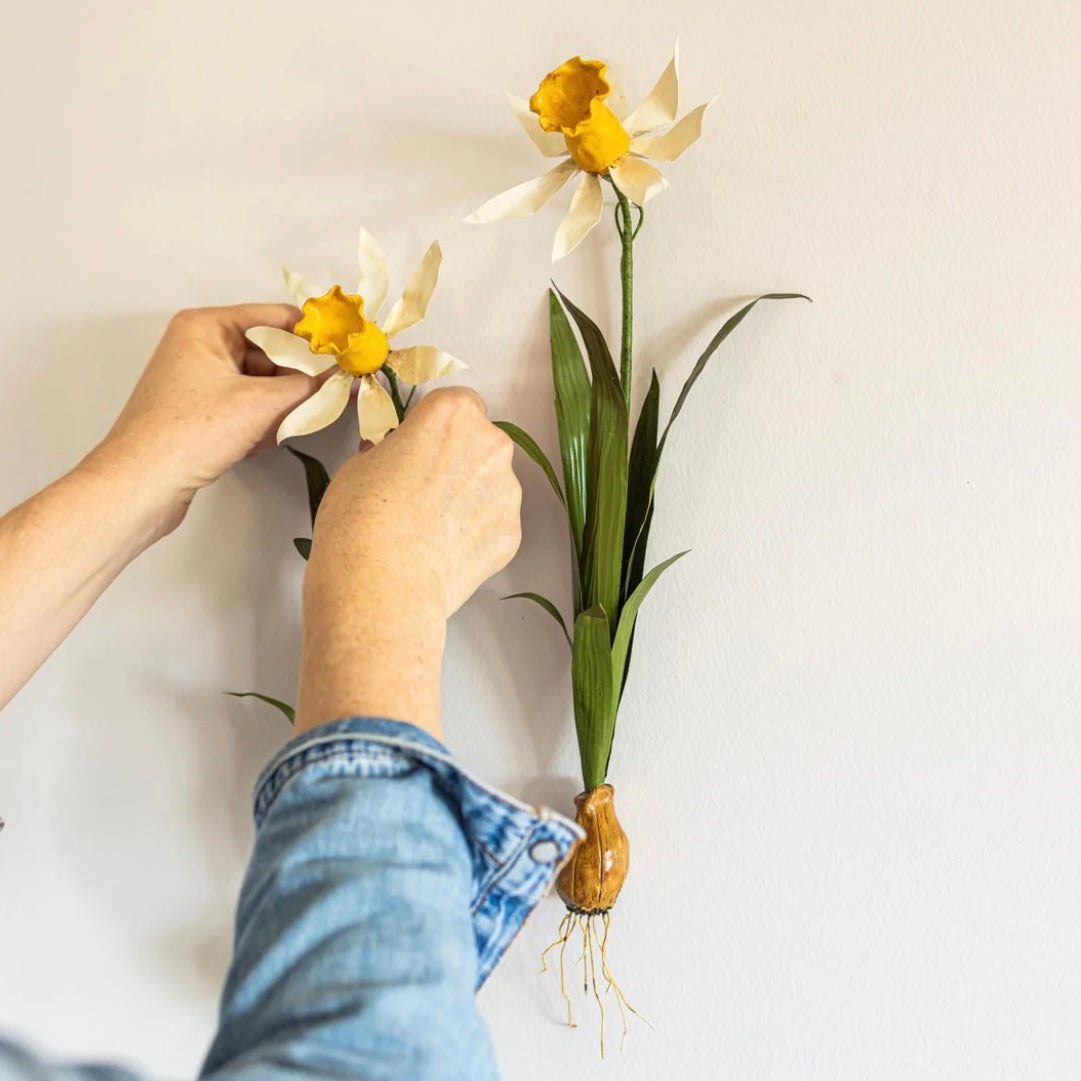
x=302 y=287
x=423 y=363
x=637 y=179
x=659 y=107
x=525 y=199
x=411 y=307
x=669 y=146
x=289 y=350
x=550 y=143
x=617 y=99
x=376 y=414
x=586 y=208
x=324 y=407
x=374 y=278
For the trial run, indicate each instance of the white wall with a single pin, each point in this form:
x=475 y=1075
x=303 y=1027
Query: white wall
x=849 y=762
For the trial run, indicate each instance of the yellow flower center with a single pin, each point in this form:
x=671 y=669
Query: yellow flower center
x=564 y=96
x=334 y=323
x=599 y=141
x=571 y=100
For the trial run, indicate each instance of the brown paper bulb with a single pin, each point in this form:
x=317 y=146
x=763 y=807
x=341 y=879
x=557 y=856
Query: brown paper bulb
x=591 y=881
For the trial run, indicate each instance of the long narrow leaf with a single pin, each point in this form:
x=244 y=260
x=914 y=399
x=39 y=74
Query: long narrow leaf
x=572 y=417
x=548 y=606
x=633 y=576
x=639 y=484
x=594 y=693
x=627 y=618
x=639 y=542
x=710 y=349
x=289 y=712
x=317 y=478
x=600 y=359
x=606 y=502
x=524 y=440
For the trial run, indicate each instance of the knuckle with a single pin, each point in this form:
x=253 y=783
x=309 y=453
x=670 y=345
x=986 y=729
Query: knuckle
x=186 y=316
x=439 y=402
x=458 y=398
x=512 y=540
x=503 y=442
x=452 y=409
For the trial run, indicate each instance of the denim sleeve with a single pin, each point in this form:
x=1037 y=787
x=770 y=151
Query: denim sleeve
x=384 y=886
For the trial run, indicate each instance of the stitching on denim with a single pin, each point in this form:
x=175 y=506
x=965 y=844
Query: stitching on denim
x=502 y=870
x=419 y=752
x=351 y=751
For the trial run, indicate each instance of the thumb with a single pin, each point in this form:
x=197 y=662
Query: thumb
x=273 y=398
x=292 y=389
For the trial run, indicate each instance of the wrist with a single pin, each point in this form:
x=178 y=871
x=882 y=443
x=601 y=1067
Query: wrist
x=135 y=488
x=372 y=645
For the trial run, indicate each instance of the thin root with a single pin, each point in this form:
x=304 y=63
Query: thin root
x=558 y=942
x=593 y=978
x=621 y=998
x=584 y=923
x=566 y=926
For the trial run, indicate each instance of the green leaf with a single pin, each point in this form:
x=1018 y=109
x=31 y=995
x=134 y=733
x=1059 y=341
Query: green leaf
x=639 y=486
x=304 y=546
x=600 y=359
x=524 y=440
x=627 y=618
x=548 y=606
x=572 y=415
x=638 y=547
x=287 y=710
x=316 y=475
x=710 y=349
x=594 y=693
x=606 y=502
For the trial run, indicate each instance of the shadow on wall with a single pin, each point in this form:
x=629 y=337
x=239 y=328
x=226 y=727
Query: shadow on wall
x=222 y=597
x=73 y=380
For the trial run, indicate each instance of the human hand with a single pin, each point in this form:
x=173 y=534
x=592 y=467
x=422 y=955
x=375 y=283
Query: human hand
x=406 y=533
x=436 y=508
x=207 y=398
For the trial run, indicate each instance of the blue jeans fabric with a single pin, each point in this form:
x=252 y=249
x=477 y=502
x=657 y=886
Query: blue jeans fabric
x=384 y=886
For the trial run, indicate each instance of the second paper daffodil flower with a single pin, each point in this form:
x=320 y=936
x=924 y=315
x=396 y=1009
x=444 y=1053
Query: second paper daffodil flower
x=340 y=329
x=570 y=115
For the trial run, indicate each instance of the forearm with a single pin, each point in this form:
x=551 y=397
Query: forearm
x=372 y=645
x=61 y=548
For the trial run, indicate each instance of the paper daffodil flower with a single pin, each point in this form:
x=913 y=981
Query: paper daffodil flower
x=568 y=115
x=334 y=332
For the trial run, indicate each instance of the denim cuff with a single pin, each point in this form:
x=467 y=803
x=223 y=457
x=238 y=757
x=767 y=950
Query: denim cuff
x=515 y=850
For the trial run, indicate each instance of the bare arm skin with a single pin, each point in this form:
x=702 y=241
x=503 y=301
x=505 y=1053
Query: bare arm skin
x=206 y=400
x=406 y=533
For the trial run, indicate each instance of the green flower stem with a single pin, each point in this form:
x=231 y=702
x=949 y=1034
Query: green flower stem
x=395 y=393
x=626 y=278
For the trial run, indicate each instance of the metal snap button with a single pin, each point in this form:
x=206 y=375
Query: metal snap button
x=545 y=852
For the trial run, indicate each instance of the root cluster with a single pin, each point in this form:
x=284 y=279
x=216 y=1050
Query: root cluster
x=593 y=943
